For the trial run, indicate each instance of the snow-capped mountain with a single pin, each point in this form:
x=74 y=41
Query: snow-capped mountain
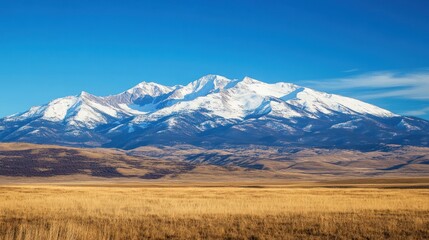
x=213 y=111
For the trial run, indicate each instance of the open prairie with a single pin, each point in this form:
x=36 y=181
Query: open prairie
x=327 y=210
x=182 y=192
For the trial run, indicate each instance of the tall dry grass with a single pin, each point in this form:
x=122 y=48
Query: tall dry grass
x=48 y=212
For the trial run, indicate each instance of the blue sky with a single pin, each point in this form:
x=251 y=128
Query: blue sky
x=376 y=51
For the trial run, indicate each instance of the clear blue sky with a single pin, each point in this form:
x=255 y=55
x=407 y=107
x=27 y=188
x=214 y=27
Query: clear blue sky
x=50 y=49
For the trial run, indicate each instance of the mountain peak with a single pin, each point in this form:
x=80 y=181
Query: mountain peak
x=85 y=94
x=145 y=84
x=149 y=88
x=200 y=87
x=217 y=81
x=249 y=80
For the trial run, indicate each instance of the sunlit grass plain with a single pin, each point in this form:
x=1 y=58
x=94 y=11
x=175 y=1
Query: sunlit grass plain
x=211 y=212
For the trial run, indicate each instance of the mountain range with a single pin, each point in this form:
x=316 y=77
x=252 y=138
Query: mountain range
x=215 y=112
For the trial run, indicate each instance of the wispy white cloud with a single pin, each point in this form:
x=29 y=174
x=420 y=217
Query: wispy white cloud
x=351 y=70
x=400 y=87
x=419 y=112
x=382 y=85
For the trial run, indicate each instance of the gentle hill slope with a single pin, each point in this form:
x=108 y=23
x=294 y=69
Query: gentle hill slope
x=21 y=162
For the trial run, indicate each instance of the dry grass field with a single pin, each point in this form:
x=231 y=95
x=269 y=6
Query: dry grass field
x=183 y=192
x=136 y=211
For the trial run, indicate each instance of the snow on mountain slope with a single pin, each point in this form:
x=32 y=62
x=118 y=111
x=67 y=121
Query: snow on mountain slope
x=201 y=87
x=149 y=89
x=89 y=111
x=249 y=97
x=248 y=94
x=319 y=102
x=404 y=124
x=230 y=99
x=215 y=110
x=214 y=94
x=277 y=108
x=53 y=111
x=144 y=90
x=57 y=109
x=84 y=110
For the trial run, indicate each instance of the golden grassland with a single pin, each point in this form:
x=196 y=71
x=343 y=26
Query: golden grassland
x=212 y=212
